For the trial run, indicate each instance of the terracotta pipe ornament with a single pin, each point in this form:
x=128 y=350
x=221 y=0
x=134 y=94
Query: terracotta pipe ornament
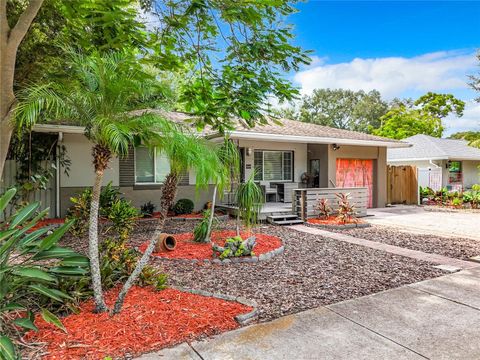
x=166 y=242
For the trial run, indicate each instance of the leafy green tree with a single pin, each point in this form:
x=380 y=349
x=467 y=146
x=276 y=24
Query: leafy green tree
x=475 y=80
x=424 y=116
x=185 y=151
x=233 y=53
x=34 y=56
x=466 y=135
x=343 y=109
x=101 y=94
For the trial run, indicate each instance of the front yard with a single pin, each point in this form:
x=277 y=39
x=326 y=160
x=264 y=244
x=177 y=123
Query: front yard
x=313 y=271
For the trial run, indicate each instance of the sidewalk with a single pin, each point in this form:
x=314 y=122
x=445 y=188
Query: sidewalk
x=433 y=319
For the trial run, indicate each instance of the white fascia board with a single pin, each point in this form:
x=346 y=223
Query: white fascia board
x=53 y=128
x=315 y=139
x=417 y=159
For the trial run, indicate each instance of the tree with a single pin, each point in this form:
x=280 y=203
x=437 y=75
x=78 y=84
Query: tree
x=343 y=109
x=185 y=151
x=475 y=80
x=229 y=171
x=101 y=94
x=424 y=116
x=233 y=53
x=89 y=25
x=11 y=35
x=466 y=135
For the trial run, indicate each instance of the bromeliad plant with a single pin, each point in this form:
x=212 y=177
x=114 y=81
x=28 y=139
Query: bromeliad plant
x=31 y=264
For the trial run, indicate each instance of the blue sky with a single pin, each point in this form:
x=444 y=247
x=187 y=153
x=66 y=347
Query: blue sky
x=402 y=48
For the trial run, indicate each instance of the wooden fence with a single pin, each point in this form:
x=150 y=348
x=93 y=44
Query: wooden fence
x=402 y=185
x=305 y=200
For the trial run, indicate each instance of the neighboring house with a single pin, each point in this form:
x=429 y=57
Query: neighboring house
x=292 y=155
x=441 y=162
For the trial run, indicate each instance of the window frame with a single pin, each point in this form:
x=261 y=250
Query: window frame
x=136 y=183
x=292 y=166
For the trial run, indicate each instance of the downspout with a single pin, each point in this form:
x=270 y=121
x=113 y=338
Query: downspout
x=57 y=176
x=432 y=163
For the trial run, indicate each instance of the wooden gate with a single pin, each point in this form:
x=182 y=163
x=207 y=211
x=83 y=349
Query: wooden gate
x=402 y=185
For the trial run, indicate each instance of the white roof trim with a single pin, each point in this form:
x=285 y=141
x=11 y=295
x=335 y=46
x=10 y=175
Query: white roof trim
x=53 y=128
x=453 y=158
x=417 y=159
x=315 y=139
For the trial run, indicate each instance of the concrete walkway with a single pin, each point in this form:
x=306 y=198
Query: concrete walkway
x=433 y=319
x=415 y=219
x=441 y=262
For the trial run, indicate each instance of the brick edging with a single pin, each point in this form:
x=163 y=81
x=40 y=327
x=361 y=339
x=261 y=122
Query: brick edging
x=242 y=319
x=233 y=260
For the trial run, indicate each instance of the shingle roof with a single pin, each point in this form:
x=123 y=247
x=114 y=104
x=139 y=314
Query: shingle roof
x=287 y=127
x=298 y=128
x=427 y=147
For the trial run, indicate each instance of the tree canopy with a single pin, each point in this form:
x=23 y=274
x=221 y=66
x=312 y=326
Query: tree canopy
x=424 y=116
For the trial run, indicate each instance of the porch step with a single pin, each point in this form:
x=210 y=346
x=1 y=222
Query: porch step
x=284 y=219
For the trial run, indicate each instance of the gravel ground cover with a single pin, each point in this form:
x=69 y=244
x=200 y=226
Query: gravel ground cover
x=454 y=247
x=313 y=271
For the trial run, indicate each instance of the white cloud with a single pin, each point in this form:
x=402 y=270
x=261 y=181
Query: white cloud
x=392 y=76
x=470 y=121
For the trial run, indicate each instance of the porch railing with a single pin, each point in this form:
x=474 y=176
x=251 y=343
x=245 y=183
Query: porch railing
x=304 y=201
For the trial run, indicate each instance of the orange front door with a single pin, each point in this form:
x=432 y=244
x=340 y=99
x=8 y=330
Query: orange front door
x=356 y=173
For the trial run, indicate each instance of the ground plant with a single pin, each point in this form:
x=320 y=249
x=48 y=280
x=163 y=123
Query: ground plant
x=31 y=264
x=468 y=199
x=250 y=200
x=235 y=247
x=324 y=209
x=200 y=232
x=147 y=209
x=183 y=206
x=122 y=217
x=346 y=210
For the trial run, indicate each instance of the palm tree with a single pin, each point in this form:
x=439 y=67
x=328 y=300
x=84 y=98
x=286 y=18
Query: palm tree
x=250 y=200
x=185 y=152
x=229 y=160
x=101 y=94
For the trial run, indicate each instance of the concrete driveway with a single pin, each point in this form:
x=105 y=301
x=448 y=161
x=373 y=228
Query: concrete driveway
x=433 y=319
x=416 y=220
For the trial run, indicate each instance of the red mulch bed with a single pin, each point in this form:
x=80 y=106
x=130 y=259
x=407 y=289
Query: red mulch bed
x=150 y=320
x=189 y=249
x=332 y=220
x=46 y=222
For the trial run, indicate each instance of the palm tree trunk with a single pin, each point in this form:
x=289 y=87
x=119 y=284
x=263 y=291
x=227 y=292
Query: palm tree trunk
x=212 y=214
x=169 y=191
x=100 y=305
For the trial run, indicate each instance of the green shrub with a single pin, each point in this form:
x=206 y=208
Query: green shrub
x=30 y=266
x=122 y=216
x=118 y=261
x=147 y=209
x=250 y=199
x=235 y=247
x=183 y=206
x=200 y=231
x=110 y=201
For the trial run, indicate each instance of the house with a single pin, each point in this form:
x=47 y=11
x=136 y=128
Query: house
x=441 y=162
x=288 y=156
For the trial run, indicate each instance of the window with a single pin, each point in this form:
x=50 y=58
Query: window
x=150 y=167
x=273 y=165
x=454 y=172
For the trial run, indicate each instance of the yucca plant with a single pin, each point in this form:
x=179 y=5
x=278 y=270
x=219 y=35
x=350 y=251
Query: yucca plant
x=202 y=231
x=30 y=264
x=250 y=199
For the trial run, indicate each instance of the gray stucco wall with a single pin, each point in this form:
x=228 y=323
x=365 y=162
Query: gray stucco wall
x=141 y=196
